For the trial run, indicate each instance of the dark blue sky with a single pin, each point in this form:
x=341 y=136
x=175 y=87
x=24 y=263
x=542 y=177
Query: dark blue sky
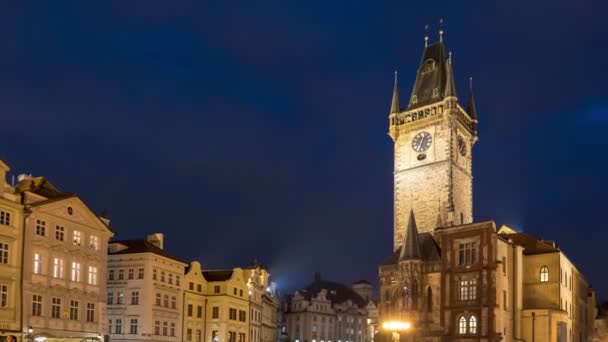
x=259 y=129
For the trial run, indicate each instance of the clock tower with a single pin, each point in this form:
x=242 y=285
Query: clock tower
x=433 y=137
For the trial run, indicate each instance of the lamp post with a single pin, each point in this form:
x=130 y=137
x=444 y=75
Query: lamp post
x=397 y=327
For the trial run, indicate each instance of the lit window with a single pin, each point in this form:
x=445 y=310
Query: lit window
x=462 y=325
x=58 y=268
x=76 y=240
x=92 y=275
x=94 y=243
x=544 y=274
x=473 y=325
x=468 y=289
x=75 y=271
x=120 y=297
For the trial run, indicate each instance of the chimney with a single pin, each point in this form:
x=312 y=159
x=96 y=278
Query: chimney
x=3 y=170
x=317 y=276
x=157 y=239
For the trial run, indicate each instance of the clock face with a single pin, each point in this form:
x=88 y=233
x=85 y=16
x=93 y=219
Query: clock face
x=462 y=146
x=422 y=141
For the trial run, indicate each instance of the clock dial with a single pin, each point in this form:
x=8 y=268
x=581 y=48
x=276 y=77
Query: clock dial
x=422 y=141
x=462 y=146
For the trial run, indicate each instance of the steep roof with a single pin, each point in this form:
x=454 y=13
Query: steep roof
x=217 y=275
x=471 y=110
x=428 y=248
x=531 y=244
x=411 y=245
x=395 y=107
x=141 y=246
x=337 y=293
x=40 y=186
x=433 y=73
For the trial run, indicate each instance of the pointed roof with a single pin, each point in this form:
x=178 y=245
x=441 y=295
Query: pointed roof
x=395 y=108
x=471 y=103
x=430 y=84
x=411 y=243
x=450 y=86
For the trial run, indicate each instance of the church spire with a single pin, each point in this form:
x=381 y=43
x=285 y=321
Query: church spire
x=395 y=103
x=411 y=245
x=471 y=103
x=450 y=87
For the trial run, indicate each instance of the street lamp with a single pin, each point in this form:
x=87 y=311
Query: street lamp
x=397 y=327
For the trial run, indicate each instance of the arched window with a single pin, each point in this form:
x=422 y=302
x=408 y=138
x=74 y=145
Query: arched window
x=415 y=294
x=473 y=325
x=429 y=300
x=544 y=274
x=406 y=295
x=462 y=325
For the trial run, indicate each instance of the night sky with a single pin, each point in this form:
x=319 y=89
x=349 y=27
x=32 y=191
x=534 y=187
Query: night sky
x=258 y=129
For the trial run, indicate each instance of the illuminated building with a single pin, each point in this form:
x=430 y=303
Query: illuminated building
x=451 y=278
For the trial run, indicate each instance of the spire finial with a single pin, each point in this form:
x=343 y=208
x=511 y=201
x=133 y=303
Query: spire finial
x=470 y=82
x=450 y=57
x=441 y=30
x=395 y=106
x=426 y=35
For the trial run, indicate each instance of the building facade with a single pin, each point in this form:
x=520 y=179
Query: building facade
x=326 y=311
x=450 y=278
x=64 y=261
x=145 y=294
x=11 y=244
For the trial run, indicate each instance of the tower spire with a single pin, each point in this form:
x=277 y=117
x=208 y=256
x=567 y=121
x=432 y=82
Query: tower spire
x=471 y=103
x=450 y=87
x=395 y=103
x=411 y=245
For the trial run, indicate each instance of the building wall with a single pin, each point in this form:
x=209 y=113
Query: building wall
x=74 y=216
x=11 y=243
x=195 y=287
x=233 y=294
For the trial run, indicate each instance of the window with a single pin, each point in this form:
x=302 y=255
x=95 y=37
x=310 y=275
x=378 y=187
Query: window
x=162 y=276
x=241 y=293
x=435 y=92
x=90 y=312
x=130 y=274
x=171 y=278
x=36 y=305
x=414 y=99
x=140 y=273
x=3 y=253
x=37 y=263
x=133 y=330
x=467 y=253
x=110 y=297
x=74 y=310
x=242 y=316
x=189 y=310
x=232 y=314
x=504 y=265
x=191 y=286
x=158 y=299
x=121 y=274
x=118 y=326
x=75 y=271
x=5 y=218
x=157 y=328
x=189 y=334
x=92 y=275
x=59 y=233
x=468 y=289
x=94 y=242
x=216 y=289
x=544 y=274
x=199 y=311
x=166 y=301
x=173 y=302
x=76 y=240
x=198 y=336
x=119 y=297
x=177 y=281
x=215 y=312
x=110 y=326
x=172 y=330
x=165 y=328
x=134 y=297
x=462 y=325
x=56 y=307
x=40 y=227
x=504 y=299
x=231 y=336
x=234 y=291
x=3 y=296
x=199 y=288
x=111 y=275
x=154 y=274
x=473 y=325
x=58 y=268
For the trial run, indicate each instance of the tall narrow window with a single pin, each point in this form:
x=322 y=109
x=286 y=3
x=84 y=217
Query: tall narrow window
x=90 y=312
x=504 y=299
x=172 y=331
x=118 y=326
x=75 y=271
x=544 y=274
x=504 y=265
x=40 y=227
x=77 y=238
x=37 y=263
x=36 y=305
x=92 y=275
x=3 y=253
x=3 y=296
x=166 y=301
x=74 y=310
x=120 y=297
x=121 y=274
x=57 y=268
x=165 y=328
x=56 y=307
x=130 y=274
x=110 y=297
x=135 y=298
x=140 y=273
x=94 y=242
x=415 y=294
x=429 y=300
x=473 y=325
x=462 y=325
x=157 y=328
x=133 y=330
